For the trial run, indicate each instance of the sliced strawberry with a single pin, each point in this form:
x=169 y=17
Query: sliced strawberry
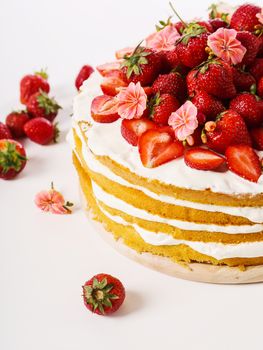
x=243 y=160
x=202 y=159
x=157 y=148
x=132 y=129
x=257 y=138
x=108 y=68
x=111 y=85
x=104 y=109
x=127 y=51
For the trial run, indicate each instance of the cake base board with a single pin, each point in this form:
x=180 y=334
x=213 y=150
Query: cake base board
x=197 y=272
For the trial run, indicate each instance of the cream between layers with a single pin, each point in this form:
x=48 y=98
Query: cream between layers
x=106 y=140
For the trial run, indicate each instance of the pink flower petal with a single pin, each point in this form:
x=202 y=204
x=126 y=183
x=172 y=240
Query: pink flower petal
x=131 y=101
x=260 y=16
x=184 y=120
x=163 y=40
x=224 y=45
x=51 y=201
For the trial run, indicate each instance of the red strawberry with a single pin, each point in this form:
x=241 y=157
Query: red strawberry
x=256 y=69
x=103 y=294
x=260 y=49
x=260 y=87
x=205 y=24
x=191 y=49
x=196 y=137
x=30 y=84
x=191 y=82
x=132 y=129
x=41 y=131
x=228 y=130
x=40 y=105
x=173 y=62
x=247 y=106
x=142 y=66
x=104 y=109
x=111 y=85
x=202 y=159
x=243 y=160
x=171 y=83
x=207 y=104
x=12 y=159
x=157 y=148
x=162 y=106
x=179 y=26
x=257 y=138
x=201 y=117
x=243 y=81
x=251 y=43
x=216 y=78
x=16 y=121
x=109 y=69
x=83 y=75
x=5 y=132
x=217 y=23
x=244 y=18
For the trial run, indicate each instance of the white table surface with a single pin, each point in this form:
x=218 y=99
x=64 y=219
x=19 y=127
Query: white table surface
x=44 y=259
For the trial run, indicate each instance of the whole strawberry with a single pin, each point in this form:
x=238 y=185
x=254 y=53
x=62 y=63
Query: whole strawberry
x=16 y=121
x=229 y=129
x=5 y=132
x=257 y=138
x=103 y=294
x=216 y=78
x=32 y=83
x=41 y=131
x=208 y=104
x=260 y=87
x=12 y=159
x=83 y=75
x=191 y=49
x=246 y=104
x=251 y=43
x=40 y=105
x=172 y=62
x=217 y=23
x=243 y=80
x=256 y=69
x=142 y=66
x=244 y=18
x=172 y=83
x=191 y=82
x=162 y=106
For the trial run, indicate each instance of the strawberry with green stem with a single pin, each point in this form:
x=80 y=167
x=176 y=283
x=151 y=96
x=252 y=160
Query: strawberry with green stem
x=40 y=105
x=12 y=158
x=32 y=83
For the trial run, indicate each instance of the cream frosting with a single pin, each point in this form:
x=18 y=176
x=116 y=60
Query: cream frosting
x=106 y=140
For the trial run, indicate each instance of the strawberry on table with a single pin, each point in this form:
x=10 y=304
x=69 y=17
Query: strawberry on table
x=41 y=131
x=172 y=83
x=12 y=159
x=208 y=104
x=257 y=138
x=248 y=107
x=132 y=129
x=83 y=75
x=5 y=132
x=245 y=18
x=243 y=160
x=161 y=107
x=157 y=147
x=104 y=109
x=32 y=83
x=203 y=159
x=142 y=66
x=103 y=294
x=40 y=105
x=16 y=121
x=229 y=129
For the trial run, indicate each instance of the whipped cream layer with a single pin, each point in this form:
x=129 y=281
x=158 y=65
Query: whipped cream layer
x=218 y=251
x=106 y=140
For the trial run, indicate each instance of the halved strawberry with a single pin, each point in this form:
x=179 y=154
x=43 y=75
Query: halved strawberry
x=104 y=109
x=257 y=138
x=108 y=68
x=127 y=51
x=111 y=85
x=132 y=129
x=202 y=159
x=243 y=160
x=157 y=148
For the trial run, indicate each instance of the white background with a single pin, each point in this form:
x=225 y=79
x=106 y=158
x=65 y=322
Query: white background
x=45 y=259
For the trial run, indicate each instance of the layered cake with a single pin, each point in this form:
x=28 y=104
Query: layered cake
x=167 y=141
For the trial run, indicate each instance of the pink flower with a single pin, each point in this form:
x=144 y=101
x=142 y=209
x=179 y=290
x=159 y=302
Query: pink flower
x=163 y=40
x=184 y=120
x=132 y=101
x=52 y=201
x=225 y=45
x=260 y=16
